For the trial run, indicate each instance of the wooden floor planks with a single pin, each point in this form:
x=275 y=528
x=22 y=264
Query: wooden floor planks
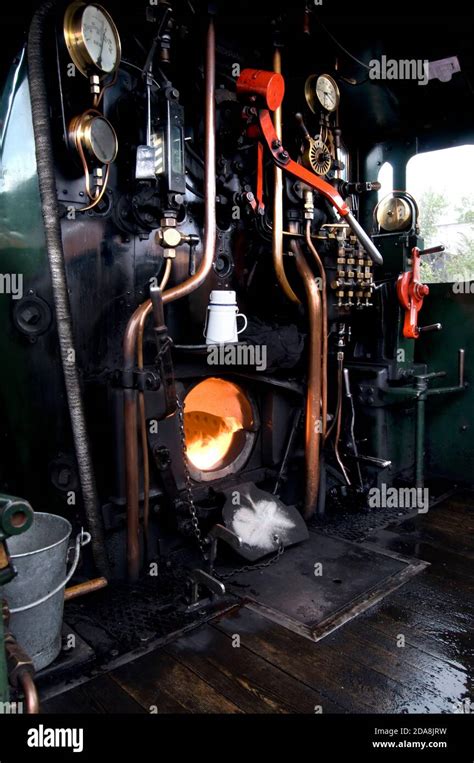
x=363 y=667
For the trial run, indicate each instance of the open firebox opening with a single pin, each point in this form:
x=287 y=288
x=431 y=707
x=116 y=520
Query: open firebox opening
x=217 y=415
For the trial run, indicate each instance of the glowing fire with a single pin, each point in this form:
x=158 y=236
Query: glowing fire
x=208 y=437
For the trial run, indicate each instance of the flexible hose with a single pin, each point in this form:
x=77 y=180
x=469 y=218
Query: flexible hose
x=52 y=229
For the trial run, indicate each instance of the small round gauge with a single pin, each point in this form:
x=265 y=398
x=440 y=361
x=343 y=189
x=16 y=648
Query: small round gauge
x=103 y=141
x=322 y=89
x=94 y=134
x=92 y=39
x=394 y=213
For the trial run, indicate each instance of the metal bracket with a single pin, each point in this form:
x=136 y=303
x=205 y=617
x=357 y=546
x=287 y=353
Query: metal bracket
x=217 y=533
x=199 y=578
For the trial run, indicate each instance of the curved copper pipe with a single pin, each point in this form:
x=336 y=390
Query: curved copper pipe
x=322 y=273
x=141 y=406
x=277 y=231
x=313 y=397
x=31 y=694
x=176 y=292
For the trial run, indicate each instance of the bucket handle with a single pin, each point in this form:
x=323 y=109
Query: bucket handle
x=82 y=539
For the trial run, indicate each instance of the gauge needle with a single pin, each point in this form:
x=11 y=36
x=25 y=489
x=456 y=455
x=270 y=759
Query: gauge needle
x=99 y=58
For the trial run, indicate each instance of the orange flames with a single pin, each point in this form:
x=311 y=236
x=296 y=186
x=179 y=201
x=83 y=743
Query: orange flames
x=213 y=411
x=208 y=437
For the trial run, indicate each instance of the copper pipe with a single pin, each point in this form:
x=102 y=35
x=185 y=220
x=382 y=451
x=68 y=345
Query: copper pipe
x=88 y=587
x=277 y=231
x=322 y=273
x=146 y=471
x=176 y=292
x=313 y=397
x=142 y=412
x=31 y=694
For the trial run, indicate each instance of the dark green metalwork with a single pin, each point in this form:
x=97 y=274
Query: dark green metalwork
x=449 y=424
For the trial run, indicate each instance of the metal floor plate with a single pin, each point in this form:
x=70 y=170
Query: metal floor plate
x=323 y=583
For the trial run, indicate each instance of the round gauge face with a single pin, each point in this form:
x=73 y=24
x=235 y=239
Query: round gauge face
x=100 y=38
x=92 y=39
x=327 y=92
x=103 y=141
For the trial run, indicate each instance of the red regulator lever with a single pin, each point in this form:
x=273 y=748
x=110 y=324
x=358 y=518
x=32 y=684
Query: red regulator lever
x=411 y=293
x=267 y=89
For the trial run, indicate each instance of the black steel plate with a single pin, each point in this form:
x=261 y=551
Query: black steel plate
x=313 y=600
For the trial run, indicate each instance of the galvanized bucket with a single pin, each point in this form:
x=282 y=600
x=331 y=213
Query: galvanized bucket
x=36 y=596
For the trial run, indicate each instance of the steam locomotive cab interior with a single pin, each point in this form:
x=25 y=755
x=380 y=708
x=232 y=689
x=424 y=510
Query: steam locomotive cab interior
x=236 y=253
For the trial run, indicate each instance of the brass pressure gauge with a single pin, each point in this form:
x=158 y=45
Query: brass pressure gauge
x=394 y=213
x=92 y=39
x=93 y=137
x=321 y=91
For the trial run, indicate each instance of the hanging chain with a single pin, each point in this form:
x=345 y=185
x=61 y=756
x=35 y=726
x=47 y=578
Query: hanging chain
x=252 y=567
x=188 y=497
x=188 y=492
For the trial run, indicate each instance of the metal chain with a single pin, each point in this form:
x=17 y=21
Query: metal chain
x=187 y=479
x=252 y=567
x=193 y=512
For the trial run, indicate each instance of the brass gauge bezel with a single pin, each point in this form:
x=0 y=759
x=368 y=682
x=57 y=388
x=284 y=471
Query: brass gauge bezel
x=394 y=213
x=311 y=93
x=75 y=42
x=80 y=136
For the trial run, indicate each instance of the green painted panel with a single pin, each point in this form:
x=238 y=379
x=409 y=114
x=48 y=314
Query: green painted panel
x=450 y=418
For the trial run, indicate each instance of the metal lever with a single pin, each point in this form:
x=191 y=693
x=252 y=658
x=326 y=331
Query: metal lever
x=283 y=160
x=382 y=463
x=364 y=239
x=433 y=250
x=304 y=129
x=431 y=327
x=269 y=88
x=192 y=242
x=461 y=363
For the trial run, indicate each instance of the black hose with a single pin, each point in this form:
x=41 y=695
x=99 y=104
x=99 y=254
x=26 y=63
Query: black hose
x=54 y=246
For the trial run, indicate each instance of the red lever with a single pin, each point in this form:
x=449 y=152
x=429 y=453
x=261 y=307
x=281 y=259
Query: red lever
x=282 y=158
x=268 y=87
x=411 y=293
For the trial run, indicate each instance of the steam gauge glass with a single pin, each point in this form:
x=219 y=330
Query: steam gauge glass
x=92 y=39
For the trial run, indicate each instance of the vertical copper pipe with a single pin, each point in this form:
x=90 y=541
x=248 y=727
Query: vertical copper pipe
x=277 y=232
x=313 y=396
x=141 y=406
x=31 y=694
x=176 y=292
x=146 y=471
x=322 y=273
